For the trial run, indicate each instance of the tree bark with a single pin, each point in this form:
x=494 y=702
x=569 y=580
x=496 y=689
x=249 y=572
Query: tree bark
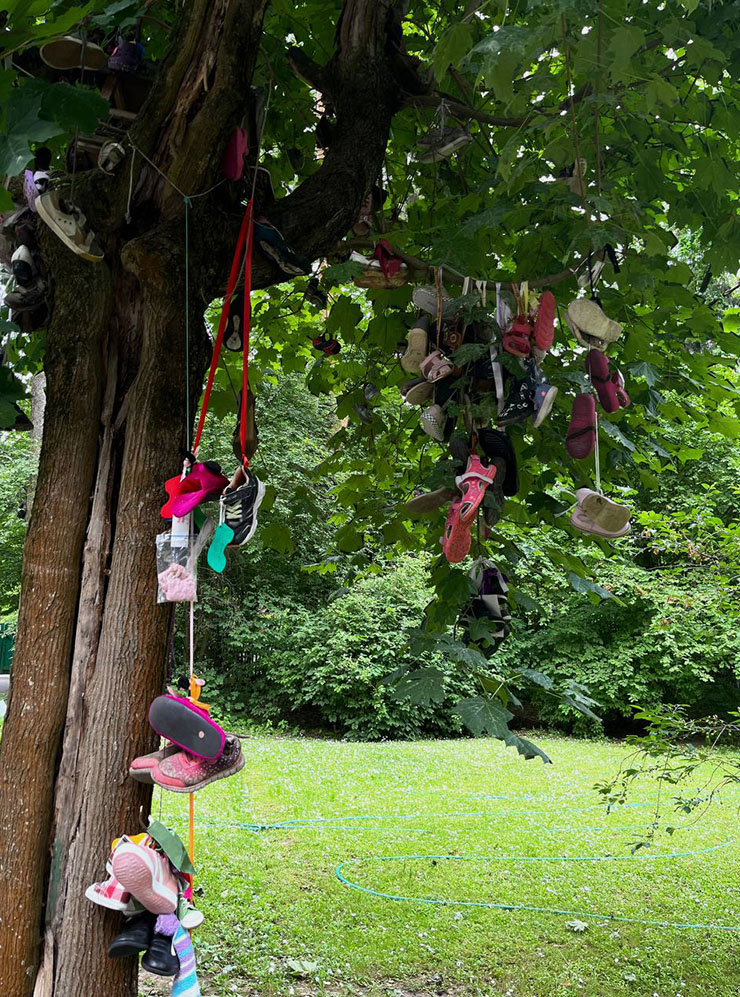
x=92 y=642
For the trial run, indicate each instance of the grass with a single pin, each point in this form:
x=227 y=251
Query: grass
x=272 y=900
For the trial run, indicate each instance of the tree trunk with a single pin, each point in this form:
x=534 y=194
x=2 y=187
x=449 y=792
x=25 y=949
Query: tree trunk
x=92 y=642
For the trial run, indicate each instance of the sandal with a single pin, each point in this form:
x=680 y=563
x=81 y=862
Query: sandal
x=580 y=440
x=456 y=539
x=473 y=484
x=436 y=367
x=517 y=340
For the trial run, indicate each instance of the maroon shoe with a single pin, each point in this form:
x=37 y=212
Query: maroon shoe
x=183 y=773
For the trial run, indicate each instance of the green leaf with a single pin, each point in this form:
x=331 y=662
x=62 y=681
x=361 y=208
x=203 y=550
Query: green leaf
x=277 y=537
x=484 y=716
x=452 y=48
x=422 y=687
x=344 y=317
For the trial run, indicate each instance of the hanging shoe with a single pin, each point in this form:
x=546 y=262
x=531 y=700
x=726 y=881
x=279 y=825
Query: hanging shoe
x=417 y=392
x=69 y=223
x=146 y=874
x=456 y=539
x=590 y=325
x=608 y=515
x=622 y=397
x=110 y=157
x=436 y=367
x=273 y=244
x=240 y=504
x=314 y=294
x=188 y=915
x=135 y=936
x=441 y=143
x=183 y=773
x=519 y=404
x=109 y=893
x=425 y=299
x=580 y=439
x=23 y=266
x=26 y=299
x=326 y=344
x=597 y=368
x=126 y=57
x=517 y=340
x=236 y=151
x=472 y=485
x=71 y=52
x=497 y=446
x=140 y=768
x=491 y=602
x=544 y=323
x=160 y=957
x=430 y=501
x=417 y=345
x=543 y=393
x=233 y=339
x=434 y=422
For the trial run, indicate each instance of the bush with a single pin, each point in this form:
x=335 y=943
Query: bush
x=325 y=667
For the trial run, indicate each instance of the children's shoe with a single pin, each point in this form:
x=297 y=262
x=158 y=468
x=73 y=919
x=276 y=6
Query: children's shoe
x=609 y=515
x=456 y=538
x=622 y=397
x=252 y=440
x=26 y=299
x=140 y=768
x=126 y=57
x=517 y=340
x=23 y=266
x=273 y=243
x=110 y=157
x=160 y=957
x=134 y=937
x=491 y=602
x=326 y=344
x=240 y=504
x=597 y=368
x=417 y=345
x=187 y=725
x=580 y=438
x=146 y=874
x=519 y=405
x=436 y=367
x=69 y=223
x=544 y=323
x=417 y=392
x=430 y=501
x=441 y=143
x=233 y=333
x=473 y=484
x=590 y=325
x=188 y=915
x=497 y=446
x=434 y=422
x=584 y=524
x=71 y=52
x=109 y=893
x=543 y=393
x=204 y=482
x=183 y=773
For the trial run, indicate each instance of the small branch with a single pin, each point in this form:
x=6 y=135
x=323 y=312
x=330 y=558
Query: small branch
x=309 y=71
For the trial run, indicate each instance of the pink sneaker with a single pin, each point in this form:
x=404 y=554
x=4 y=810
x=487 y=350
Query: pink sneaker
x=147 y=876
x=183 y=773
x=109 y=894
x=473 y=484
x=140 y=768
x=456 y=539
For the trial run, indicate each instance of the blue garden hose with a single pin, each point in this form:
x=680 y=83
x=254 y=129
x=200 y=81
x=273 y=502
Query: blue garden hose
x=381 y=822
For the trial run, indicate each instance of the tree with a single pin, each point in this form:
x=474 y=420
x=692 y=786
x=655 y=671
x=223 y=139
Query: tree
x=644 y=91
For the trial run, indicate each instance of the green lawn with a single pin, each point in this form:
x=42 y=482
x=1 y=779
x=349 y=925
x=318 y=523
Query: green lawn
x=272 y=897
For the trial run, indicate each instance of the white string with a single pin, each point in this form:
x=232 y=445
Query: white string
x=597 y=459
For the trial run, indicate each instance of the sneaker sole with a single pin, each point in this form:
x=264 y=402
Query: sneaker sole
x=206 y=782
x=136 y=873
x=193 y=732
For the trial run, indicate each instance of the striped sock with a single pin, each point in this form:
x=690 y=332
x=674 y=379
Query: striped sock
x=186 y=981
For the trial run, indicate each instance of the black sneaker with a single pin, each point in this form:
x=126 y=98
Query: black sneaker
x=519 y=405
x=543 y=393
x=25 y=299
x=239 y=508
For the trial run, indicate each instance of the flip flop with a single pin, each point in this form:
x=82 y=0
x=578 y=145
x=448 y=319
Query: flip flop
x=473 y=484
x=603 y=511
x=544 y=325
x=580 y=440
x=597 y=368
x=456 y=539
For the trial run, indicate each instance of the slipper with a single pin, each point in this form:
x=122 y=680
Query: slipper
x=603 y=511
x=204 y=482
x=429 y=501
x=456 y=539
x=417 y=392
x=597 y=368
x=517 y=340
x=580 y=440
x=179 y=720
x=436 y=367
x=544 y=325
x=233 y=332
x=434 y=422
x=497 y=445
x=417 y=341
x=622 y=397
x=473 y=484
x=585 y=524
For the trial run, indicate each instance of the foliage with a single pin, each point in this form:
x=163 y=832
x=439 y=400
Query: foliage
x=647 y=93
x=17 y=465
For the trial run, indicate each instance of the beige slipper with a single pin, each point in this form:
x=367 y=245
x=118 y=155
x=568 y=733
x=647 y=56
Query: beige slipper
x=609 y=515
x=590 y=325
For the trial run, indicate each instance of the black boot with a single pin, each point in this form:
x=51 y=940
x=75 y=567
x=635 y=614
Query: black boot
x=159 y=957
x=135 y=937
